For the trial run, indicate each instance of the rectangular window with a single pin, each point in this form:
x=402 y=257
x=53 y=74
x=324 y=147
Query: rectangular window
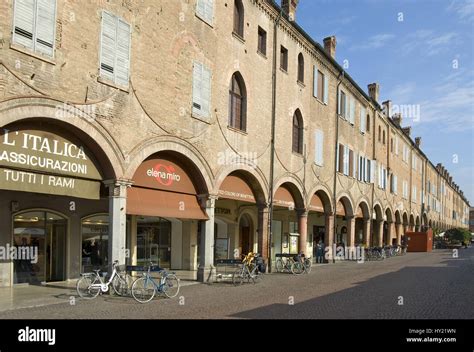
x=284 y=59
x=115 y=49
x=205 y=10
x=340 y=158
x=34 y=25
x=396 y=145
x=346 y=160
x=363 y=120
x=351 y=163
x=342 y=104
x=352 y=111
x=319 y=143
x=201 y=90
x=262 y=41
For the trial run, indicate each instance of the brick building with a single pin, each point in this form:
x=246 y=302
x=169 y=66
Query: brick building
x=144 y=132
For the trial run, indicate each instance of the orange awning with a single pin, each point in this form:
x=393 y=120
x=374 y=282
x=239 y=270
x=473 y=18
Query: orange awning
x=148 y=202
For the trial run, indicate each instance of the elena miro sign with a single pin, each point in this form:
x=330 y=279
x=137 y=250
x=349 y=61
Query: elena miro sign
x=162 y=174
x=37 y=161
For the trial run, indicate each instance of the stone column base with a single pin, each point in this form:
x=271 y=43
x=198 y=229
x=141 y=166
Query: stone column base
x=206 y=275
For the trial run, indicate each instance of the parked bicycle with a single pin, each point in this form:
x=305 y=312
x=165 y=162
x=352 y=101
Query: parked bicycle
x=90 y=285
x=145 y=288
x=291 y=263
x=250 y=270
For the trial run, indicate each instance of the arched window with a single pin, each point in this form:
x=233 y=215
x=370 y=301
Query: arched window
x=383 y=137
x=301 y=68
x=237 y=103
x=380 y=134
x=239 y=18
x=298 y=129
x=368 y=123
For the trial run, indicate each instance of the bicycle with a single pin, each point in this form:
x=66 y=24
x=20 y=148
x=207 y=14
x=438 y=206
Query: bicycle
x=145 y=288
x=292 y=265
x=90 y=285
x=248 y=271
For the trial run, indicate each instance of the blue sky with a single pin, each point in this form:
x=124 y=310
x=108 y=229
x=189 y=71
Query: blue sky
x=422 y=54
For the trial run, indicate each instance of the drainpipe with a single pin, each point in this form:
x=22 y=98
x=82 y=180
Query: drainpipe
x=272 y=153
x=340 y=78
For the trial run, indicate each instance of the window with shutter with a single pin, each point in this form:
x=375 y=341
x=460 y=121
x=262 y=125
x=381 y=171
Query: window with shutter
x=351 y=163
x=346 y=161
x=363 y=120
x=115 y=49
x=315 y=82
x=321 y=86
x=201 y=90
x=205 y=10
x=326 y=90
x=352 y=111
x=34 y=25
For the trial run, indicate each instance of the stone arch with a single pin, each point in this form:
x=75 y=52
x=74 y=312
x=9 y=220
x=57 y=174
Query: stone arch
x=296 y=188
x=389 y=215
x=364 y=205
x=348 y=204
x=379 y=214
x=253 y=176
x=192 y=159
x=38 y=110
x=324 y=194
x=398 y=218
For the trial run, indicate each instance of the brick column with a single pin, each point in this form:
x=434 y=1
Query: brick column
x=263 y=236
x=367 y=232
x=380 y=233
x=351 y=222
x=303 y=229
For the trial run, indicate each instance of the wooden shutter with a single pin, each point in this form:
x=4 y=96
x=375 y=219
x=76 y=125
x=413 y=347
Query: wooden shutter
x=197 y=88
x=352 y=111
x=209 y=11
x=319 y=147
x=346 y=161
x=373 y=167
x=326 y=90
x=24 y=21
x=45 y=26
x=108 y=44
x=201 y=8
x=339 y=103
x=320 y=86
x=351 y=163
x=122 y=66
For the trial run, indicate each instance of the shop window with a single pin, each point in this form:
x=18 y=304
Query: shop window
x=95 y=242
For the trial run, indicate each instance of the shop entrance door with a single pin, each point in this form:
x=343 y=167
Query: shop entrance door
x=154 y=242
x=40 y=241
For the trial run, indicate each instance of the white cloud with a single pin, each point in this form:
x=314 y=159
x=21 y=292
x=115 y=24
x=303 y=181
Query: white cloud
x=375 y=42
x=463 y=8
x=429 y=42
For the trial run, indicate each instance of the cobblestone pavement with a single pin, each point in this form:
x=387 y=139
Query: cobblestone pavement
x=430 y=286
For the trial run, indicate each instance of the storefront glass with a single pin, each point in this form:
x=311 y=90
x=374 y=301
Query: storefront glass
x=40 y=241
x=154 y=241
x=95 y=242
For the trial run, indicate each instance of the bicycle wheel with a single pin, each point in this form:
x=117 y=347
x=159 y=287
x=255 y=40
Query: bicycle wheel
x=171 y=286
x=84 y=289
x=121 y=284
x=297 y=268
x=307 y=265
x=143 y=290
x=279 y=265
x=238 y=277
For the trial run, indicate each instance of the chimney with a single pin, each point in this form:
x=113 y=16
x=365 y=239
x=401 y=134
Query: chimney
x=398 y=119
x=418 y=142
x=407 y=131
x=387 y=108
x=374 y=91
x=289 y=7
x=330 y=44
x=450 y=180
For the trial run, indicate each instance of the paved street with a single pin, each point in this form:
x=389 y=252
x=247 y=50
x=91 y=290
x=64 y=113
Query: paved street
x=432 y=286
